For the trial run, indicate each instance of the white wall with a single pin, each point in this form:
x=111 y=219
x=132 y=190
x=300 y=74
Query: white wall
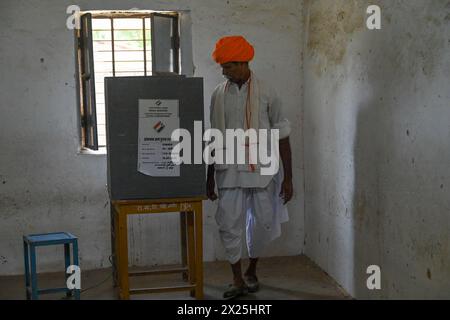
x=46 y=186
x=376 y=145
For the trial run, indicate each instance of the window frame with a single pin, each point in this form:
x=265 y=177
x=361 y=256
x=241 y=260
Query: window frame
x=87 y=117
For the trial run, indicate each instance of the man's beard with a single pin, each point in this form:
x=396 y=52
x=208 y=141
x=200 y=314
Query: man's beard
x=231 y=79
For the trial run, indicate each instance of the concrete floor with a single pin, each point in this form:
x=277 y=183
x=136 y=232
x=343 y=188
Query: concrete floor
x=281 y=278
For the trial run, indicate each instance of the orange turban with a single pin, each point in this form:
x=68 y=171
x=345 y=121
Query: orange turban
x=233 y=49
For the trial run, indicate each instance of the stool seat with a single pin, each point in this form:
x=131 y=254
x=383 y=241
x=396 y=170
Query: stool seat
x=30 y=242
x=49 y=238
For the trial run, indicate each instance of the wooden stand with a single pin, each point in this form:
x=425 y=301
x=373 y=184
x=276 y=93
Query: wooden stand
x=191 y=243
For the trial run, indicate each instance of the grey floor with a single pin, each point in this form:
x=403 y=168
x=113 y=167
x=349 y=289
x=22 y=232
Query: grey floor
x=281 y=278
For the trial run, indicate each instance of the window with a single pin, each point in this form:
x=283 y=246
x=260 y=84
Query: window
x=117 y=44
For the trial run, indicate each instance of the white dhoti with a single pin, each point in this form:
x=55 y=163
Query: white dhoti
x=260 y=210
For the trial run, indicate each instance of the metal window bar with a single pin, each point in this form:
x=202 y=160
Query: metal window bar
x=112 y=48
x=145 y=47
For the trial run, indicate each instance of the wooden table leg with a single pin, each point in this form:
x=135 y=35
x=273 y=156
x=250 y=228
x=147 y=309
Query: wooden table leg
x=114 y=244
x=124 y=289
x=191 y=249
x=183 y=243
x=198 y=250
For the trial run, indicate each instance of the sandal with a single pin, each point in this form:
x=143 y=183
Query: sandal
x=252 y=284
x=234 y=292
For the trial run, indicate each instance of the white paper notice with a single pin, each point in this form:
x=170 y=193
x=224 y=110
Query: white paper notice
x=157 y=120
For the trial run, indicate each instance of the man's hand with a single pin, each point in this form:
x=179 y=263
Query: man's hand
x=287 y=190
x=210 y=186
x=211 y=183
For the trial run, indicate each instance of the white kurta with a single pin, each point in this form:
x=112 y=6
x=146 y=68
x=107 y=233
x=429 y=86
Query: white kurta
x=271 y=116
x=245 y=197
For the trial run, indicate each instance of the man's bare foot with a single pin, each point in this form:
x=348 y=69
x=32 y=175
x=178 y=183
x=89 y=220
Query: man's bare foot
x=252 y=282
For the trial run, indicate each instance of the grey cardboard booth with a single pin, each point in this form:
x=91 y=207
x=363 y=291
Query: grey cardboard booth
x=122 y=95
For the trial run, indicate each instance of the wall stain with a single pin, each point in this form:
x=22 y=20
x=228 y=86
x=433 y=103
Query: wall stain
x=330 y=30
x=333 y=25
x=10 y=206
x=422 y=48
x=432 y=249
x=284 y=17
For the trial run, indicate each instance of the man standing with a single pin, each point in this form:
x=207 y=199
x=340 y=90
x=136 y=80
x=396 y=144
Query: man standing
x=246 y=197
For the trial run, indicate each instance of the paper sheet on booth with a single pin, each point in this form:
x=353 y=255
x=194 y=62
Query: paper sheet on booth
x=157 y=120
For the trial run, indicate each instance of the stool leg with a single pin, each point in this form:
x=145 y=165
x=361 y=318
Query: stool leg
x=191 y=249
x=34 y=289
x=75 y=262
x=67 y=264
x=198 y=250
x=26 y=257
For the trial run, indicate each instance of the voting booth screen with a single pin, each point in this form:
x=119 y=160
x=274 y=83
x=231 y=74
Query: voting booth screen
x=141 y=114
